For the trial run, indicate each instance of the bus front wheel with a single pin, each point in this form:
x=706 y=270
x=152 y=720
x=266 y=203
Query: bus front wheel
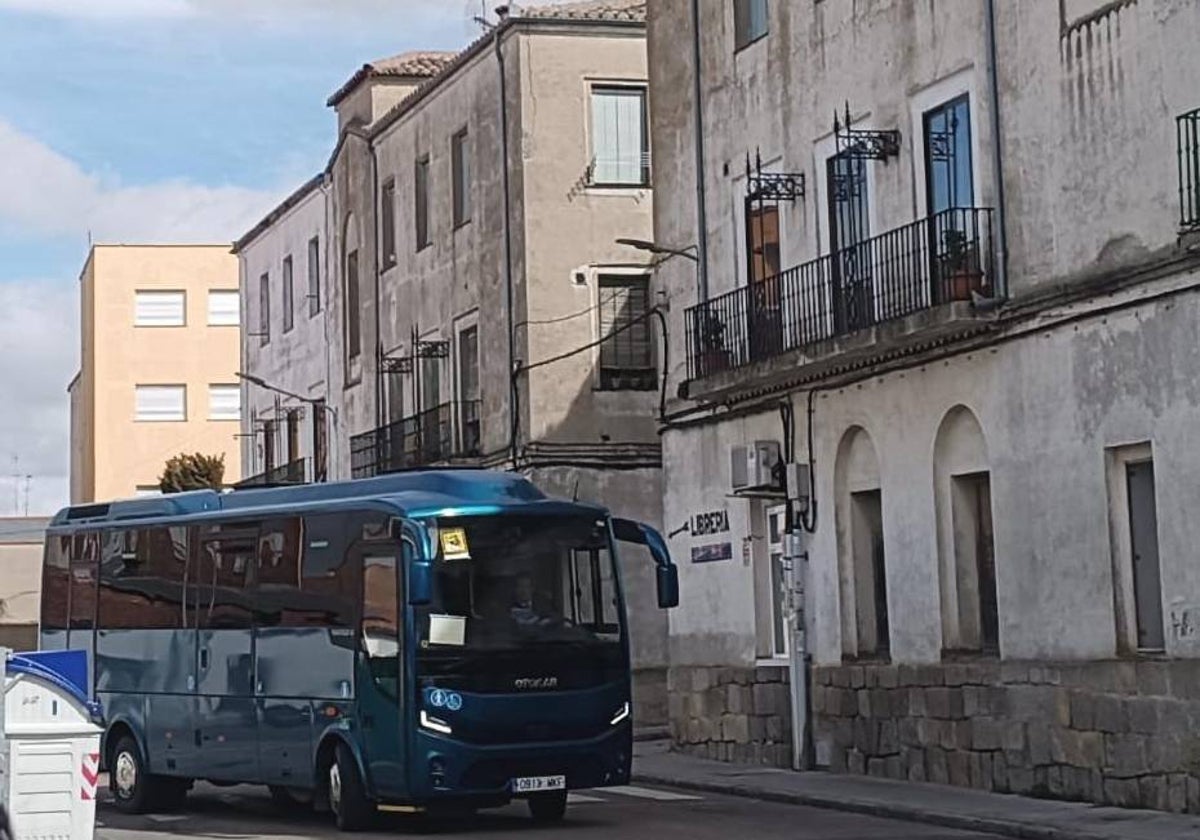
x=548 y=807
x=352 y=811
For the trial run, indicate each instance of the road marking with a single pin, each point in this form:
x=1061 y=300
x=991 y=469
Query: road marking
x=166 y=818
x=583 y=799
x=648 y=793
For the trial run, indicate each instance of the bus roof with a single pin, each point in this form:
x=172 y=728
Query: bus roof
x=415 y=493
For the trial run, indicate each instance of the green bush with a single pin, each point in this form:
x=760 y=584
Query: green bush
x=193 y=472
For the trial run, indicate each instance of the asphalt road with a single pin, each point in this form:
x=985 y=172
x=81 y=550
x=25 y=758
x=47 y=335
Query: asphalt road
x=634 y=813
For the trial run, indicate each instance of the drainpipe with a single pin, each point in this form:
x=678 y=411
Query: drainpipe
x=997 y=154
x=508 y=271
x=701 y=213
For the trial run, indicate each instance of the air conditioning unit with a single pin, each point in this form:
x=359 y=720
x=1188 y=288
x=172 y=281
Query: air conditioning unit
x=755 y=466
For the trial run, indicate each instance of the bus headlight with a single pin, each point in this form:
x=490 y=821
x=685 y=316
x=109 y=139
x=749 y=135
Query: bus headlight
x=435 y=725
x=621 y=714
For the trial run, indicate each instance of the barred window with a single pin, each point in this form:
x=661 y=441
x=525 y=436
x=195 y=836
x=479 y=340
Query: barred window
x=626 y=353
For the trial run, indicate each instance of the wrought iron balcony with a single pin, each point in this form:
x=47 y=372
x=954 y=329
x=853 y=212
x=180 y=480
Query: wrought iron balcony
x=939 y=259
x=289 y=473
x=418 y=440
x=1187 y=130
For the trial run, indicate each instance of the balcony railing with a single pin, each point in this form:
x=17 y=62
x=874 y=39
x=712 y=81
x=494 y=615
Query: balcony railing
x=418 y=441
x=935 y=260
x=1187 y=130
x=289 y=473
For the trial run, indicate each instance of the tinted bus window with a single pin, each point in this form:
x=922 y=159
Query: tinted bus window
x=377 y=553
x=56 y=583
x=330 y=577
x=142 y=574
x=224 y=560
x=85 y=560
x=278 y=599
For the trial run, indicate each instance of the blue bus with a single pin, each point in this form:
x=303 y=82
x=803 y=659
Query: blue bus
x=427 y=639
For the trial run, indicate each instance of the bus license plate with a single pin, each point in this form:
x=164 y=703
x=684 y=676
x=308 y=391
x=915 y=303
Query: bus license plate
x=536 y=784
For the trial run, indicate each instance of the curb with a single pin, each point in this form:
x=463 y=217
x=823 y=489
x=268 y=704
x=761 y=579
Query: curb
x=874 y=808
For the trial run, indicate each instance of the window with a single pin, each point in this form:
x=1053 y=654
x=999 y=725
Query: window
x=461 y=155
x=626 y=354
x=269 y=432
x=277 y=598
x=314 y=276
x=421 y=182
x=224 y=402
x=620 y=143
x=142 y=577
x=85 y=565
x=289 y=311
x=264 y=309
x=353 y=326
x=56 y=583
x=468 y=390
x=749 y=21
x=849 y=228
x=157 y=403
x=762 y=236
x=224 y=308
x=224 y=561
x=770 y=585
x=975 y=562
x=292 y=421
x=948 y=178
x=870 y=573
x=1133 y=517
x=159 y=309
x=387 y=222
x=320 y=442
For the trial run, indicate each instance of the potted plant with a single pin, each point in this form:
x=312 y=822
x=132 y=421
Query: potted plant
x=960 y=273
x=714 y=356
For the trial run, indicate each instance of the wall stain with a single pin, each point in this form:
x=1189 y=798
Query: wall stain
x=1147 y=362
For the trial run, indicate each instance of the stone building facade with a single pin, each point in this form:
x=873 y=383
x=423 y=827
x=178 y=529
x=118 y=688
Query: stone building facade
x=967 y=305
x=478 y=307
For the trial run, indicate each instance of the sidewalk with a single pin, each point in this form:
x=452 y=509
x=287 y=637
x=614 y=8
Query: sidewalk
x=963 y=808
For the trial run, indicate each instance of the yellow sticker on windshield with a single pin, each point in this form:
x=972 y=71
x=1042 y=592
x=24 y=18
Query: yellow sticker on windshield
x=454 y=544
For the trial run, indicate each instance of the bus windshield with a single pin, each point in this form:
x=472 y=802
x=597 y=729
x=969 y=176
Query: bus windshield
x=521 y=584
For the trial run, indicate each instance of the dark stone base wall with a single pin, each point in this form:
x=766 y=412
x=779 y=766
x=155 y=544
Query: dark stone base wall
x=1116 y=732
x=732 y=714
x=650 y=697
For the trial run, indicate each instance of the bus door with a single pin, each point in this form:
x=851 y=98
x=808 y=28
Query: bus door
x=226 y=730
x=377 y=552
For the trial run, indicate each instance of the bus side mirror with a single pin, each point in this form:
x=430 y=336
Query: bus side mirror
x=667 y=578
x=420 y=583
x=666 y=573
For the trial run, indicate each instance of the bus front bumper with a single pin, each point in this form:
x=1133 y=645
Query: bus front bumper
x=447 y=769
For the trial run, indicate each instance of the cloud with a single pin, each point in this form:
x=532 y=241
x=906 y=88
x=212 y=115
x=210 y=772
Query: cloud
x=47 y=193
x=38 y=356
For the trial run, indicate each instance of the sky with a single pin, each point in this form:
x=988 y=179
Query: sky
x=154 y=121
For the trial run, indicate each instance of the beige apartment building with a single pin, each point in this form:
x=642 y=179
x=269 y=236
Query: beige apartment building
x=159 y=345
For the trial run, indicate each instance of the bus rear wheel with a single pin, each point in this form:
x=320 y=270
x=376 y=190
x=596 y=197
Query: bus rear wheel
x=352 y=810
x=548 y=807
x=127 y=777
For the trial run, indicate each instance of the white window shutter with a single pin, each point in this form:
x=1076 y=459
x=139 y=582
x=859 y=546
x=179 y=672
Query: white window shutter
x=224 y=402
x=224 y=308
x=161 y=402
x=159 y=309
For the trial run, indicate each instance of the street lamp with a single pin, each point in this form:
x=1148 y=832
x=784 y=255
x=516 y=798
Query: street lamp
x=320 y=448
x=262 y=383
x=655 y=248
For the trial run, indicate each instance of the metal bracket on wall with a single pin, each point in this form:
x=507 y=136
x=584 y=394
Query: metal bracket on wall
x=771 y=186
x=864 y=143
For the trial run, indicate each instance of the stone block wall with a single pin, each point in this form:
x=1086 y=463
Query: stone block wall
x=732 y=714
x=1120 y=733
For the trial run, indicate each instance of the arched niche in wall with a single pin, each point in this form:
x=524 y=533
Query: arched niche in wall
x=861 y=557
x=966 y=548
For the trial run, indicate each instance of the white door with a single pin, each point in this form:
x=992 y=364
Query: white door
x=776 y=523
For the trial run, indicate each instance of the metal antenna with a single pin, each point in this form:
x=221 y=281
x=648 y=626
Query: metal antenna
x=28 y=481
